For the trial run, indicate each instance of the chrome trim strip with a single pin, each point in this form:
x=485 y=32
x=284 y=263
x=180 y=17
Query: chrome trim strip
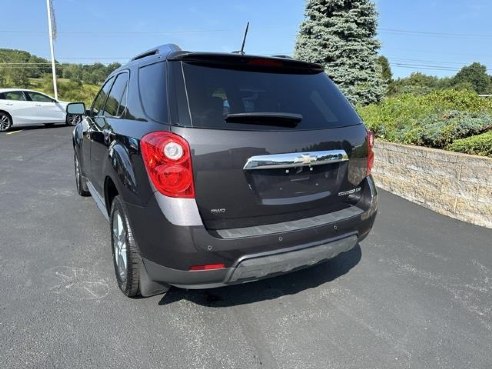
x=295 y=159
x=98 y=199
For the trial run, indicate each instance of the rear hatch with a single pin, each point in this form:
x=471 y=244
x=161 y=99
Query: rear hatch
x=272 y=140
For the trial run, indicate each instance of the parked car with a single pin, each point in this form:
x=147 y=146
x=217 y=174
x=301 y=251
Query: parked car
x=215 y=169
x=20 y=107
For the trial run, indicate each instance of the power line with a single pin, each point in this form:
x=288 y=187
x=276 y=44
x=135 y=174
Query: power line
x=8 y=63
x=27 y=66
x=43 y=63
x=96 y=57
x=381 y=29
x=437 y=34
x=436 y=52
x=401 y=64
x=425 y=67
x=121 y=32
x=154 y=32
x=425 y=61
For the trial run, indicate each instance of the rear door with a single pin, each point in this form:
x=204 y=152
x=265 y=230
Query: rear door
x=47 y=110
x=21 y=110
x=103 y=133
x=91 y=126
x=268 y=145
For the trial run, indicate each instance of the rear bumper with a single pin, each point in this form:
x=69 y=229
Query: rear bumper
x=168 y=250
x=252 y=267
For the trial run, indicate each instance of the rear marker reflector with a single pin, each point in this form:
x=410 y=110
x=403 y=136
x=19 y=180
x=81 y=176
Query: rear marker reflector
x=207 y=267
x=370 y=152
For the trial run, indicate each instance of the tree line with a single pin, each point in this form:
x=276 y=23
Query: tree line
x=18 y=67
x=472 y=77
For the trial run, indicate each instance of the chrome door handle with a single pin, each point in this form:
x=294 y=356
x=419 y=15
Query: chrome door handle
x=88 y=132
x=295 y=159
x=108 y=135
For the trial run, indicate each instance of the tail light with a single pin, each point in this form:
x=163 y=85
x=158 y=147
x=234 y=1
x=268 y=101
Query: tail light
x=370 y=151
x=167 y=158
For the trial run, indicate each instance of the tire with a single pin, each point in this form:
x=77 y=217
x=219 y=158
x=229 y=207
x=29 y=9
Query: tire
x=126 y=259
x=72 y=120
x=5 y=121
x=80 y=181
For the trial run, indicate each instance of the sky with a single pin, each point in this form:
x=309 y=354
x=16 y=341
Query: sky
x=436 y=37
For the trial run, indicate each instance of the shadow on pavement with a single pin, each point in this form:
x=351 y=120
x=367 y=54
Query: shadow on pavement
x=269 y=289
x=37 y=127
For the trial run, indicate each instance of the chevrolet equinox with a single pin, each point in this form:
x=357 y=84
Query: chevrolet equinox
x=215 y=169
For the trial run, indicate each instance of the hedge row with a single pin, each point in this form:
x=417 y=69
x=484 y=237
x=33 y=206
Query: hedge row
x=440 y=130
x=437 y=119
x=477 y=145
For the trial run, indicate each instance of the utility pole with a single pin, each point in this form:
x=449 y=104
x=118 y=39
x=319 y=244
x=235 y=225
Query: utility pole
x=52 y=35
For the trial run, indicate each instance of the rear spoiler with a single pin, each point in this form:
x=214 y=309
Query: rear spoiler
x=246 y=62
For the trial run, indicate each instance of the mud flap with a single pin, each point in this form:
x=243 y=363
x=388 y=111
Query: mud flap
x=149 y=287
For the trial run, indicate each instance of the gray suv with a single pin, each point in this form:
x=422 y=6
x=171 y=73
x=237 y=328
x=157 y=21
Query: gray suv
x=215 y=169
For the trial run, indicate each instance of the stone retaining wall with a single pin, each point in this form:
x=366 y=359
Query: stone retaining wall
x=453 y=184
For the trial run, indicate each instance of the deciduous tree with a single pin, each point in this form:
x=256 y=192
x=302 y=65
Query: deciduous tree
x=475 y=75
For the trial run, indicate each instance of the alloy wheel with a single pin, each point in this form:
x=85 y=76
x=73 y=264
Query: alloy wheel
x=120 y=245
x=5 y=122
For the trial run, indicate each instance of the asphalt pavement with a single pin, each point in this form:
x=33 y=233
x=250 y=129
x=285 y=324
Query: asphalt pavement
x=417 y=293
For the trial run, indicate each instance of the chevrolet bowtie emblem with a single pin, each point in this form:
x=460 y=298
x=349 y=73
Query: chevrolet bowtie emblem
x=305 y=159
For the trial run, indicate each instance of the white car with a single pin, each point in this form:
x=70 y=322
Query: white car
x=20 y=107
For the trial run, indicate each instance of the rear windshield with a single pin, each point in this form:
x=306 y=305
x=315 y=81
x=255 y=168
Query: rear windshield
x=211 y=93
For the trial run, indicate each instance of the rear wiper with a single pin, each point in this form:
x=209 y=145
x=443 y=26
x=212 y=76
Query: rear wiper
x=269 y=119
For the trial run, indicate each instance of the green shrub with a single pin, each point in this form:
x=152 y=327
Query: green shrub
x=477 y=145
x=435 y=119
x=439 y=130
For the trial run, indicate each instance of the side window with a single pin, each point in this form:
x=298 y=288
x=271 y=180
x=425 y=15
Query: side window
x=98 y=104
x=116 y=103
x=15 y=95
x=122 y=109
x=153 y=91
x=39 y=97
x=2 y=96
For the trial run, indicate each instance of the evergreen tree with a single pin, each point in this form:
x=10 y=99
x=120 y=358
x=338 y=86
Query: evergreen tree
x=341 y=36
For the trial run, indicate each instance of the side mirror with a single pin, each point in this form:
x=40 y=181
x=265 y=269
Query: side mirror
x=77 y=108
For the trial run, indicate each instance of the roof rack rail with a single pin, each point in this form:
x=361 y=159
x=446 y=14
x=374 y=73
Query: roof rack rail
x=159 y=50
